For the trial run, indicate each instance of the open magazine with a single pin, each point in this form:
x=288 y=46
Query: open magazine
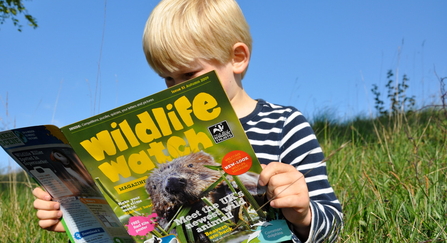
x=175 y=166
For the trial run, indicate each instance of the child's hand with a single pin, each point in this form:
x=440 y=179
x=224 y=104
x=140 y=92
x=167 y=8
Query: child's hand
x=48 y=211
x=289 y=189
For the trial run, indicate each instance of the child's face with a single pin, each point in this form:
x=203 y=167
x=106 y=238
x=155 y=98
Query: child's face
x=199 y=67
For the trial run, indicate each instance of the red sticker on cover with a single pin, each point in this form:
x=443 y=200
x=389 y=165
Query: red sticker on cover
x=236 y=162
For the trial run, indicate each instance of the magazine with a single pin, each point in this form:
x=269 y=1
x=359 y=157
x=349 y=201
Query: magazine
x=175 y=166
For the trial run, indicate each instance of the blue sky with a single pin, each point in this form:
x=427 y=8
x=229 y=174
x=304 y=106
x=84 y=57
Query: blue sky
x=86 y=56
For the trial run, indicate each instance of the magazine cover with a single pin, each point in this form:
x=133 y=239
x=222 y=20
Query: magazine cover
x=175 y=166
x=177 y=163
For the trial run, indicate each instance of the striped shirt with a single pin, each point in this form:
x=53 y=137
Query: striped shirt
x=281 y=133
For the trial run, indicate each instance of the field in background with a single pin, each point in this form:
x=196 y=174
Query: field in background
x=391 y=178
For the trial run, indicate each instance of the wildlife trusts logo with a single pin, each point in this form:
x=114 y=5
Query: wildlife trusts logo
x=220 y=132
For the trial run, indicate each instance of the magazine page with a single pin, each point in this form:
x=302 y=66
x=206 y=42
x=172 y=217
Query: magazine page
x=177 y=166
x=43 y=153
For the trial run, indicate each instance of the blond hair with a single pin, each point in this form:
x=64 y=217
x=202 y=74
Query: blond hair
x=180 y=31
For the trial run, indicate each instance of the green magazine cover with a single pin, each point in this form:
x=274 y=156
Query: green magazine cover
x=176 y=166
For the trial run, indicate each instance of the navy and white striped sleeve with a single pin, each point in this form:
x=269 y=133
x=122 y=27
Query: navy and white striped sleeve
x=301 y=149
x=281 y=133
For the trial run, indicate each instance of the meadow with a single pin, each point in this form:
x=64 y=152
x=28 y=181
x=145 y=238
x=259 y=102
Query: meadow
x=391 y=177
x=390 y=174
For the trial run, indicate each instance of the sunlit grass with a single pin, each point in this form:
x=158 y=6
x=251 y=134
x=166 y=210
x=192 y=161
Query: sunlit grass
x=17 y=215
x=391 y=180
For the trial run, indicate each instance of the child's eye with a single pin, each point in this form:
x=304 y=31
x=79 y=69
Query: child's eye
x=189 y=75
x=169 y=81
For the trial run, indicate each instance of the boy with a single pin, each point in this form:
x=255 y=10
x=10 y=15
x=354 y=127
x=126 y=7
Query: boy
x=186 y=38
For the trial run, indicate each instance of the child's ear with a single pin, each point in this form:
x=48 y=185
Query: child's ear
x=241 y=57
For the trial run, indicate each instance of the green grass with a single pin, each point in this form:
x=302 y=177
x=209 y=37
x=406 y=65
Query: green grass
x=17 y=215
x=390 y=179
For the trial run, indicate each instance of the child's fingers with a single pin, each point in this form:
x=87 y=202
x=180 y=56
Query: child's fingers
x=51 y=225
x=48 y=219
x=287 y=191
x=272 y=169
x=43 y=200
x=48 y=223
x=40 y=204
x=48 y=212
x=282 y=177
x=285 y=186
x=41 y=194
x=289 y=201
x=49 y=215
